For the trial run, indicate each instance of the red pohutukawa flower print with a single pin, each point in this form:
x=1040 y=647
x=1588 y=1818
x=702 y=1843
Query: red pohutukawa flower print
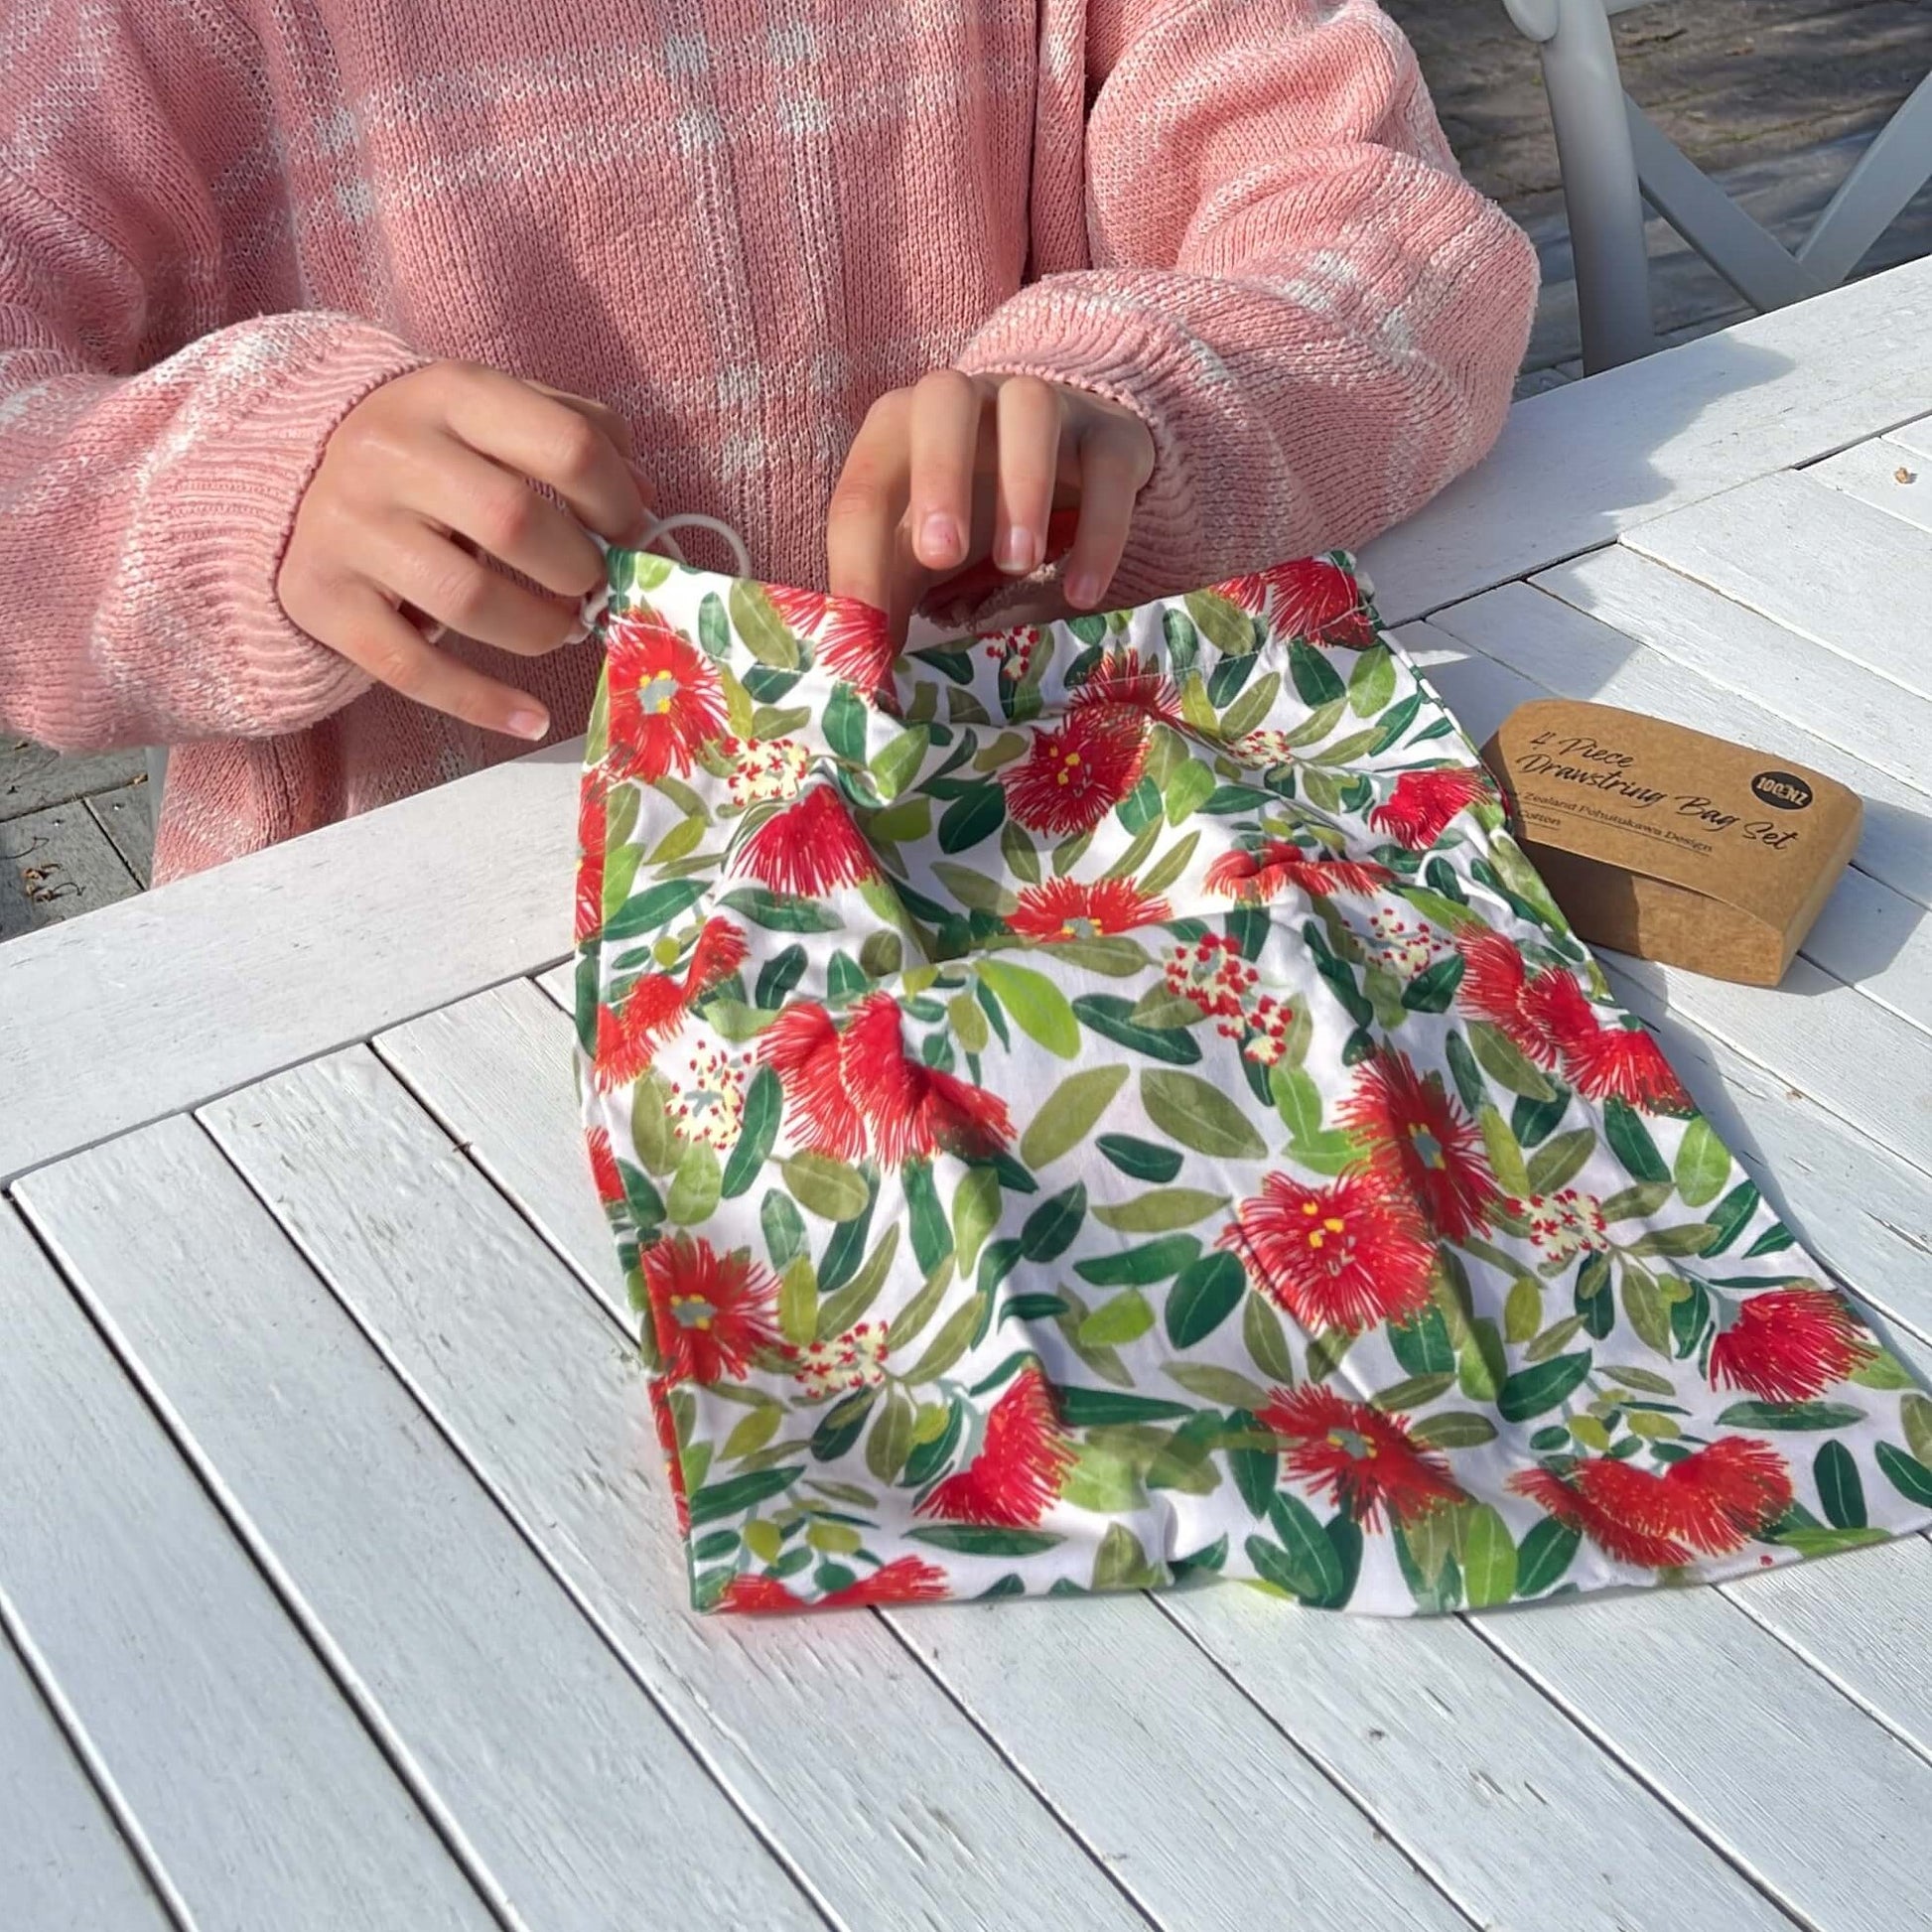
x=1789 y=1345
x=905 y=1579
x=1348 y=1254
x=810 y=847
x=1065 y=909
x=593 y=807
x=604 y=1166
x=628 y=1035
x=660 y=1409
x=1424 y=803
x=854 y=641
x=1073 y=776
x=666 y=698
x=1414 y=1133
x=1550 y=1020
x=1355 y=1457
x=711 y=1312
x=1713 y=1502
x=1016 y=1474
x=858 y=1092
x=1125 y=679
x=1277 y=866
x=1312 y=597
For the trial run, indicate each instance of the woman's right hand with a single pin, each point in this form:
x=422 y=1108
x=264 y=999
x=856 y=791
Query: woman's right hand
x=424 y=485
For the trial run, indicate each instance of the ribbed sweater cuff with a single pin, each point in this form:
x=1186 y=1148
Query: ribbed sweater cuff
x=237 y=494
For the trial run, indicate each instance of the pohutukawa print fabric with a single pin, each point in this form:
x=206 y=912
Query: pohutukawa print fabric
x=1111 y=1100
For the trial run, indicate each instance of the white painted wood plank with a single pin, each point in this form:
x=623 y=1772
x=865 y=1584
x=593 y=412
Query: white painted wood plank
x=581 y=1806
x=878 y=1787
x=1500 y=1803
x=1824 y=1805
x=264 y=1801
x=1821 y=563
x=1580 y=465
x=1887 y=474
x=486 y=1068
x=560 y=982
x=1916 y=436
x=504 y=1121
x=64 y=1866
x=174 y=995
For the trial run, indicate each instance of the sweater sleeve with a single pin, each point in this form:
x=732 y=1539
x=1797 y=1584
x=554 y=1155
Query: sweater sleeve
x=155 y=437
x=1318 y=320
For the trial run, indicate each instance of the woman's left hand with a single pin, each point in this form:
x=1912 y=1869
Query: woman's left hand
x=959 y=469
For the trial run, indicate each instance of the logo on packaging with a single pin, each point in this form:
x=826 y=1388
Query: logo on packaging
x=1784 y=789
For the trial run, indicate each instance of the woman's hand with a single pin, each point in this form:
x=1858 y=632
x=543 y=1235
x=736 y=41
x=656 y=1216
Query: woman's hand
x=424 y=484
x=961 y=467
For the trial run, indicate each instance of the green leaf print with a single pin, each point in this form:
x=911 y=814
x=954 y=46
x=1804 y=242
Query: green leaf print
x=1069 y=1114
x=1205 y=1294
x=1630 y=1141
x=1908 y=1474
x=694 y=1186
x=976 y=814
x=1140 y=1159
x=762 y=630
x=1314 y=677
x=1199 y=1116
x=1840 y=1490
x=838 y=1311
x=654 y=908
x=1790 y=1414
x=1421 y=1343
x=1267 y=1341
x=898 y=760
x=1557 y=1163
x=1501 y=1060
x=1111 y=1017
x=1223 y=624
x=1124 y=1318
x=1160 y=1211
x=1038 y=1008
x=1433 y=988
x=975 y=1212
x=1052 y=1226
x=824 y=1187
x=1535 y=1391
x=757 y=1131
x=975 y=1540
x=1152 y=1261
x=1371 y=684
x=1702 y=1164
x=925 y=1218
x=1307 y=1562
x=735 y=1494
x=1490 y=1556
x=777 y=912
x=1545 y=1555
x=1915 y=1413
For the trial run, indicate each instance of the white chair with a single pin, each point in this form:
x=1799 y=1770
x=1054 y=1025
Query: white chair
x=1614 y=158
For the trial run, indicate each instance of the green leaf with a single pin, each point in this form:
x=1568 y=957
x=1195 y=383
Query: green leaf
x=1908 y=1474
x=977 y=1540
x=1314 y=677
x=1545 y=1555
x=1213 y=1383
x=760 y=628
x=1190 y=785
x=1221 y=621
x=824 y=1187
x=1468 y=1078
x=1820 y=1542
x=1789 y=1415
x=798 y=1300
x=974 y=890
x=1702 y=1164
x=975 y=1212
x=1106 y=1407
x=1506 y=1156
x=1557 y=1163
x=1111 y=1017
x=1296 y=1099
x=1140 y=1159
x=1415 y=1392
x=1480 y=1364
x=1161 y=1212
x=1038 y=1008
x=1069 y=1114
x=1915 y=1413
x=779 y=911
x=1433 y=988
x=764 y=1104
x=837 y=1313
x=1522 y=1309
x=1882 y=1370
x=838 y=1429
x=1153 y=1261
x=1732 y=1216
x=1199 y=1116
x=1504 y=1065
x=771 y=721
x=976 y=814
x=1689 y=1240
x=925 y=1218
x=1636 y=1204
x=1205 y=1294
x=1052 y=1226
x=778 y=975
x=1535 y=1391
x=1840 y=1490
x=1124 y=1318
x=1248 y=710
x=1311 y=1558
x=1489 y=1559
x=890 y=1440
x=1422 y=1342
x=738 y=1493
x=955 y=1336
x=896 y=761
x=1453 y=1428
x=845 y=724
x=1267 y=1342
x=1630 y=1141
x=1371 y=684
x=658 y=1148
x=694 y=1186
x=654 y=908
x=1121 y=1563
x=784 y=1229
x=753 y=1432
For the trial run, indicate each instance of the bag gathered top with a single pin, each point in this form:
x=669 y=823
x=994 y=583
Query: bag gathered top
x=1111 y=1100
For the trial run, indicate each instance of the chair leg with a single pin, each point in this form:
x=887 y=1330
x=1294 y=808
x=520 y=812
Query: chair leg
x=1600 y=184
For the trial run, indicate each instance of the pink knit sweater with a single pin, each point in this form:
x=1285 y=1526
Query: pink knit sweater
x=737 y=221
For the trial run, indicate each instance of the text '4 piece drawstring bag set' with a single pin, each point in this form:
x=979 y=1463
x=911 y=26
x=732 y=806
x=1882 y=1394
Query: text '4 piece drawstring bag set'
x=1111 y=1100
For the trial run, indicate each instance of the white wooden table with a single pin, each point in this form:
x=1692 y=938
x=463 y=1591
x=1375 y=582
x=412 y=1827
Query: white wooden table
x=337 y=1586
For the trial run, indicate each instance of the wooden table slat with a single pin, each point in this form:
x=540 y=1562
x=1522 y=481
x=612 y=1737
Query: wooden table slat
x=263 y=1799
x=505 y=1708
x=1886 y=472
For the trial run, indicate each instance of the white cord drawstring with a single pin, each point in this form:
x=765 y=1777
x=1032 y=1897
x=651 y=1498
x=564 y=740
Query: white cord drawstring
x=657 y=537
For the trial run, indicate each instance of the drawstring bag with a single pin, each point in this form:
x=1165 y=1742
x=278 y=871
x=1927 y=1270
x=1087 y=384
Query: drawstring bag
x=1111 y=1100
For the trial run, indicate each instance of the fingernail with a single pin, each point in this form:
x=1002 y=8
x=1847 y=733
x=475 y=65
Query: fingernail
x=1084 y=588
x=1018 y=550
x=527 y=721
x=938 y=539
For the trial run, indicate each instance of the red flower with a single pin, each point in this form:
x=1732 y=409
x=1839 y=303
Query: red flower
x=1345 y=1255
x=1280 y=866
x=604 y=1166
x=1713 y=1500
x=758 y=1595
x=626 y=1038
x=1357 y=1457
x=592 y=817
x=1063 y=909
x=1789 y=1345
x=1073 y=776
x=1494 y=980
x=854 y=641
x=1120 y=678
x=905 y=1579
x=660 y=1409
x=810 y=847
x=711 y=1311
x=1019 y=1467
x=1418 y=810
x=858 y=1092
x=665 y=700
x=1418 y=1139
x=1312 y=597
